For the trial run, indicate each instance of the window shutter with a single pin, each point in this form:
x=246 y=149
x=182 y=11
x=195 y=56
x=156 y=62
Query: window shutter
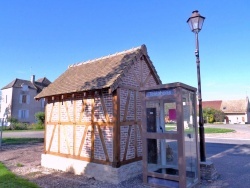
x=20 y=99
x=28 y=99
x=27 y=114
x=42 y=101
x=19 y=113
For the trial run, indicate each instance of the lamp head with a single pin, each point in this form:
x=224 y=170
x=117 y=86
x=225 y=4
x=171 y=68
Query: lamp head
x=195 y=22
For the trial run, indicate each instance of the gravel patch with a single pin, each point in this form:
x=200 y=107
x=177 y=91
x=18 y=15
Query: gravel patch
x=25 y=161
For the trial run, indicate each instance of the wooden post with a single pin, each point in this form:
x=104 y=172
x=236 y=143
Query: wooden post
x=116 y=129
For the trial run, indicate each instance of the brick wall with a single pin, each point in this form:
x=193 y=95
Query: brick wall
x=69 y=117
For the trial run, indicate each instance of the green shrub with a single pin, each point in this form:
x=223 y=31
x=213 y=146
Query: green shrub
x=211 y=115
x=20 y=126
x=37 y=126
x=40 y=117
x=12 y=120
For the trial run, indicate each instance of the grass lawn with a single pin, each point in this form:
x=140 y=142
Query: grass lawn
x=208 y=130
x=8 y=179
x=218 y=130
x=22 y=141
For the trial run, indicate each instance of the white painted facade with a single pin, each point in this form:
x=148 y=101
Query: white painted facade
x=19 y=103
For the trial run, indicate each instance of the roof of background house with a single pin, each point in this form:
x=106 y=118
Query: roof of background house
x=235 y=106
x=104 y=72
x=212 y=104
x=38 y=84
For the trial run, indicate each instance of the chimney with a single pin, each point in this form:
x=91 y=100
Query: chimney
x=32 y=79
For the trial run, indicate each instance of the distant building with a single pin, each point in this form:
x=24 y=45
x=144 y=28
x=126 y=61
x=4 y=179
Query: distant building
x=236 y=111
x=18 y=101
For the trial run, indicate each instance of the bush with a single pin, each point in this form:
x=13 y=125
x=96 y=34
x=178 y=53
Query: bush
x=20 y=126
x=211 y=115
x=40 y=117
x=37 y=126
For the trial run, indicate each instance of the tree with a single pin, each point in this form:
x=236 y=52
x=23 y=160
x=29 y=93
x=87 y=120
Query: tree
x=40 y=117
x=211 y=115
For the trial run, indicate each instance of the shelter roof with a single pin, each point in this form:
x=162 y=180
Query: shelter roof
x=104 y=72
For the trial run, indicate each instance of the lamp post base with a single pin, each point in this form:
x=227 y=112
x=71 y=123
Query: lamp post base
x=208 y=171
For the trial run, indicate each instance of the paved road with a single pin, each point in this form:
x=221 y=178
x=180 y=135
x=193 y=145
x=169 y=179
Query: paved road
x=232 y=164
x=24 y=134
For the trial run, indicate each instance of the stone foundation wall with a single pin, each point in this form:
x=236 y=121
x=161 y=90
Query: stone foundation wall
x=98 y=171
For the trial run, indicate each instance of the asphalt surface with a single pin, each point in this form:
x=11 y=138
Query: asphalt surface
x=23 y=134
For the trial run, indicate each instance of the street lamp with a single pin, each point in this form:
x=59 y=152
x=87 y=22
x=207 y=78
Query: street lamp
x=195 y=22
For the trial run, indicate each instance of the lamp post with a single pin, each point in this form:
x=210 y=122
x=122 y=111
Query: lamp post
x=195 y=22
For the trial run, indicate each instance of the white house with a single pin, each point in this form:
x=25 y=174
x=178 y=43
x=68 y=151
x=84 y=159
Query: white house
x=18 y=101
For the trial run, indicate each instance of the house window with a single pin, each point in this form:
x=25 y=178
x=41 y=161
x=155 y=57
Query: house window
x=25 y=87
x=24 y=99
x=23 y=114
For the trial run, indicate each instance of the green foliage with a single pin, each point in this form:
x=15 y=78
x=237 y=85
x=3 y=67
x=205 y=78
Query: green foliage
x=211 y=115
x=8 y=179
x=40 y=117
x=12 y=120
x=36 y=126
x=20 y=126
x=218 y=130
x=22 y=140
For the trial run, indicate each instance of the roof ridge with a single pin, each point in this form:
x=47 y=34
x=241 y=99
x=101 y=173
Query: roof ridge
x=107 y=56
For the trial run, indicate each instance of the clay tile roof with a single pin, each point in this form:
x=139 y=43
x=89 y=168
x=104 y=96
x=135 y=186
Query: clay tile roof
x=234 y=106
x=212 y=104
x=99 y=73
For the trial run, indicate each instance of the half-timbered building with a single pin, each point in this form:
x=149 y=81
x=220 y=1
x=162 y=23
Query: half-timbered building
x=93 y=116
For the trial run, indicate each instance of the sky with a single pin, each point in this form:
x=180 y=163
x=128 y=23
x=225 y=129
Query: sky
x=44 y=37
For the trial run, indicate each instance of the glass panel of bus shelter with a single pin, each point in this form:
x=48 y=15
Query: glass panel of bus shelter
x=153 y=116
x=164 y=160
x=190 y=124
x=170 y=116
